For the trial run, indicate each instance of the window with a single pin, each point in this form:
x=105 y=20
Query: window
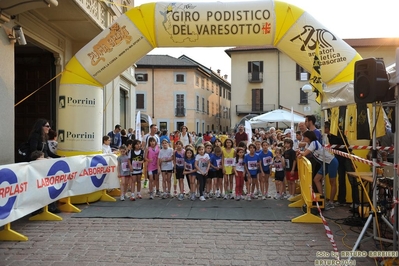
x=213 y=109
x=163 y=126
x=207 y=84
x=257 y=100
x=202 y=83
x=141 y=77
x=217 y=90
x=207 y=107
x=255 y=71
x=301 y=73
x=180 y=78
x=303 y=97
x=203 y=104
x=123 y=106
x=197 y=81
x=198 y=103
x=213 y=86
x=180 y=110
x=140 y=101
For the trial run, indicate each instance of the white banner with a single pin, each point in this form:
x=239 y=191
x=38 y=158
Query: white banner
x=138 y=126
x=26 y=187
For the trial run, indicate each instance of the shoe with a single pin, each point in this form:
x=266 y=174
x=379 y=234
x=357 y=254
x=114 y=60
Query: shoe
x=238 y=197
x=122 y=198
x=181 y=197
x=290 y=197
x=175 y=194
x=277 y=196
x=231 y=196
x=268 y=196
x=145 y=183
x=286 y=196
x=225 y=196
x=152 y=195
x=197 y=195
x=252 y=196
x=192 y=196
x=164 y=195
x=263 y=197
x=256 y=196
x=249 y=197
x=206 y=195
x=158 y=193
x=202 y=198
x=218 y=194
x=329 y=206
x=139 y=196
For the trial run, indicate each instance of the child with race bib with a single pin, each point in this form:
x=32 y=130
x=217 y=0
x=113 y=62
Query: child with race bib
x=137 y=160
x=124 y=169
x=265 y=160
x=179 y=167
x=251 y=160
x=202 y=164
x=151 y=156
x=189 y=170
x=228 y=163
x=165 y=164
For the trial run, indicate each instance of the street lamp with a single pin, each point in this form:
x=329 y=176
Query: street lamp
x=307 y=88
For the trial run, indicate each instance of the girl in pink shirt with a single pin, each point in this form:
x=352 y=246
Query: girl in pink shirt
x=151 y=156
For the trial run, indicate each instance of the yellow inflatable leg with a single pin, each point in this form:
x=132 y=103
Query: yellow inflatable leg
x=116 y=192
x=307 y=218
x=106 y=197
x=67 y=206
x=297 y=204
x=7 y=234
x=45 y=216
x=296 y=198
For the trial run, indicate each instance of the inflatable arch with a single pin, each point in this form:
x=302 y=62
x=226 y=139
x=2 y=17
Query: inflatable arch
x=141 y=29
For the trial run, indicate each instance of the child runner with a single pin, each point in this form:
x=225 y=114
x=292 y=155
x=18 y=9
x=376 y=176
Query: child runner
x=258 y=150
x=247 y=181
x=265 y=160
x=217 y=143
x=251 y=166
x=137 y=159
x=189 y=169
x=165 y=164
x=228 y=162
x=216 y=170
x=239 y=170
x=202 y=164
x=279 y=165
x=151 y=156
x=208 y=181
x=291 y=171
x=124 y=169
x=179 y=167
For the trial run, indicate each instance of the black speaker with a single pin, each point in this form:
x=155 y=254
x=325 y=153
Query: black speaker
x=371 y=81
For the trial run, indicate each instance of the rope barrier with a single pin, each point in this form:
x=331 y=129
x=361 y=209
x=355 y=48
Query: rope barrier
x=359 y=147
x=326 y=227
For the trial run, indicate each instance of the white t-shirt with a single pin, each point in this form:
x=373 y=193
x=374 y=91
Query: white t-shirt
x=166 y=154
x=319 y=153
x=184 y=139
x=240 y=165
x=147 y=137
x=106 y=149
x=203 y=162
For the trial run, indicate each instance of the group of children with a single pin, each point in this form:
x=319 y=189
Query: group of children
x=210 y=170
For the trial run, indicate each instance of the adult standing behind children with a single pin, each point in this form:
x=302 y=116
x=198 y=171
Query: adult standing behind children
x=241 y=135
x=116 y=138
x=185 y=137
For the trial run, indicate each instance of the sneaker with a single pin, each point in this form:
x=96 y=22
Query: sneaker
x=197 y=195
x=175 y=194
x=123 y=198
x=145 y=183
x=231 y=196
x=263 y=197
x=152 y=195
x=202 y=198
x=139 y=196
x=268 y=196
x=249 y=197
x=277 y=196
x=164 y=195
x=329 y=206
x=225 y=196
x=132 y=198
x=181 y=196
x=286 y=196
x=238 y=197
x=206 y=195
x=218 y=194
x=158 y=194
x=256 y=195
x=192 y=196
x=252 y=196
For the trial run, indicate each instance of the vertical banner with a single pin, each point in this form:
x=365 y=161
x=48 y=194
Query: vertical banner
x=315 y=77
x=248 y=130
x=138 y=126
x=363 y=127
x=149 y=123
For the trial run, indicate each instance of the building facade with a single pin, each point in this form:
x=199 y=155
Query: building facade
x=53 y=32
x=264 y=79
x=181 y=91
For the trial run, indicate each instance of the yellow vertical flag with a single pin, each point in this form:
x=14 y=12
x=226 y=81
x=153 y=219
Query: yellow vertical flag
x=315 y=77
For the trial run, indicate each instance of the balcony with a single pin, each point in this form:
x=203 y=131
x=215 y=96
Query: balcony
x=249 y=109
x=180 y=112
x=255 y=77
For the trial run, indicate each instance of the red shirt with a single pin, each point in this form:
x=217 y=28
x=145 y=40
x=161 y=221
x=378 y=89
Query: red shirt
x=241 y=137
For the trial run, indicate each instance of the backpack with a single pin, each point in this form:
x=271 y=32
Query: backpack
x=23 y=152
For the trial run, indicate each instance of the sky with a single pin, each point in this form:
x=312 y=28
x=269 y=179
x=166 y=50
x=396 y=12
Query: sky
x=345 y=18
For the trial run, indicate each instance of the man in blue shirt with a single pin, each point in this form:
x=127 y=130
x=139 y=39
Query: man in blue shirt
x=116 y=139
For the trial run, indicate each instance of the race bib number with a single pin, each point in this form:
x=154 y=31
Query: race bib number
x=267 y=161
x=179 y=161
x=137 y=164
x=125 y=167
x=252 y=165
x=228 y=161
x=219 y=163
x=188 y=167
x=287 y=163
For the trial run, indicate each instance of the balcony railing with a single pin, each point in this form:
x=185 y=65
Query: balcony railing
x=255 y=77
x=179 y=111
x=248 y=109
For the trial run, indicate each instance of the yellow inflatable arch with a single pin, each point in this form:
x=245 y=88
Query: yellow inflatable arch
x=141 y=29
